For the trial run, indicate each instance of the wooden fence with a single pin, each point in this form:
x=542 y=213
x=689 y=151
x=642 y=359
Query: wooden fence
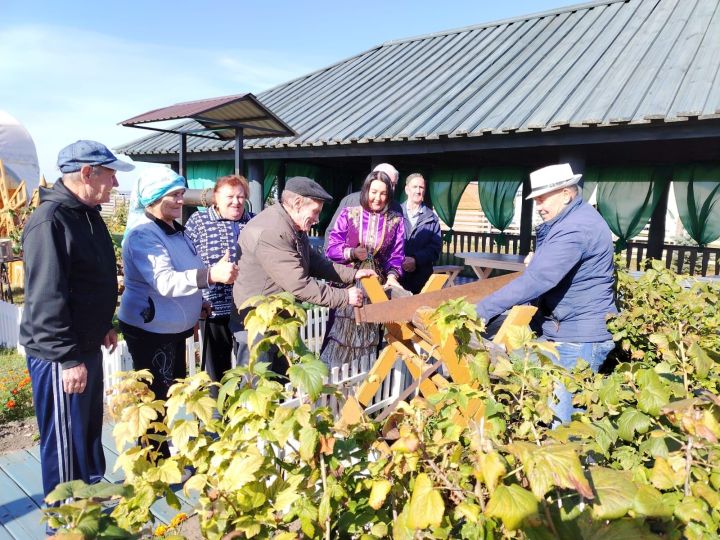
x=692 y=260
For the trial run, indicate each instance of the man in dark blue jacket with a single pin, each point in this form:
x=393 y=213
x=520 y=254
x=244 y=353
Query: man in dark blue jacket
x=570 y=275
x=70 y=297
x=422 y=236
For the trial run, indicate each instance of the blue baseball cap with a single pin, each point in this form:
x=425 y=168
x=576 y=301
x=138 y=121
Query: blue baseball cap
x=74 y=156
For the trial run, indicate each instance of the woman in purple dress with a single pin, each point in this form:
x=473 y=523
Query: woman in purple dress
x=366 y=236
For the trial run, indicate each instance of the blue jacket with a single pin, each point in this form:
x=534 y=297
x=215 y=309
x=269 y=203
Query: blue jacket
x=422 y=242
x=571 y=275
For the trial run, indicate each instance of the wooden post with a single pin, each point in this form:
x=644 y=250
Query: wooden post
x=656 y=234
x=256 y=177
x=239 y=142
x=187 y=211
x=281 y=179
x=526 y=219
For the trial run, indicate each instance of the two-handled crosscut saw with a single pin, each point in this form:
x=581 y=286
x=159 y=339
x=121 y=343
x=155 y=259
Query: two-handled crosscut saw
x=407 y=326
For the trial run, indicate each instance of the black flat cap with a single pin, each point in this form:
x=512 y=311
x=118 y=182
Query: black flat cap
x=307 y=187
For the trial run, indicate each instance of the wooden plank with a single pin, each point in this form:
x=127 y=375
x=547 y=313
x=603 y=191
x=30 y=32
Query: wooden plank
x=518 y=316
x=20 y=516
x=380 y=370
x=24 y=469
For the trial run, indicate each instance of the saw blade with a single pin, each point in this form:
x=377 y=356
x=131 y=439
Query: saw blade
x=403 y=309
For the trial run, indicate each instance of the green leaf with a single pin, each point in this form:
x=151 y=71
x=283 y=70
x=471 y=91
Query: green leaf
x=701 y=360
x=653 y=397
x=632 y=421
x=308 y=375
x=615 y=493
x=426 y=504
x=692 y=509
x=512 y=504
x=556 y=465
x=621 y=529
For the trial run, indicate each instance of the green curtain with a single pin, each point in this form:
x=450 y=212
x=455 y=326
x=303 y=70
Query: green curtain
x=271 y=166
x=334 y=181
x=446 y=187
x=627 y=197
x=589 y=182
x=497 y=188
x=202 y=174
x=697 y=193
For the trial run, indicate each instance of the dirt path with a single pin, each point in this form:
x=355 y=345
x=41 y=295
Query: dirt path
x=18 y=434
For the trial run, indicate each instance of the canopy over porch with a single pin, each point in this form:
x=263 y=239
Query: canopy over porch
x=229 y=118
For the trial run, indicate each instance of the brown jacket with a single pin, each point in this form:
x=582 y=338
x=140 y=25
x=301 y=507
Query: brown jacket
x=274 y=257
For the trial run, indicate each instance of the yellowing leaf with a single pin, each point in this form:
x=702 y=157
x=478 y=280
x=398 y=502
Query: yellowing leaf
x=378 y=493
x=308 y=443
x=512 y=504
x=181 y=433
x=556 y=465
x=169 y=472
x=202 y=407
x=649 y=502
x=195 y=483
x=491 y=469
x=426 y=504
x=240 y=471
x=662 y=476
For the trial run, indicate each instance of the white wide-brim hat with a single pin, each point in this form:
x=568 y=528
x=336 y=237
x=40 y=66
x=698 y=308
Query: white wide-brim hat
x=551 y=178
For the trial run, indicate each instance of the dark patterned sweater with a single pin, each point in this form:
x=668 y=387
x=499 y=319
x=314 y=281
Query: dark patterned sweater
x=212 y=236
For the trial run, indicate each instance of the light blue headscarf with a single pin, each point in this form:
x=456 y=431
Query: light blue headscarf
x=152 y=184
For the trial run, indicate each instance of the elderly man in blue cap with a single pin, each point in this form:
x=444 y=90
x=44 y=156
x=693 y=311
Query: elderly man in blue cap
x=571 y=276
x=70 y=297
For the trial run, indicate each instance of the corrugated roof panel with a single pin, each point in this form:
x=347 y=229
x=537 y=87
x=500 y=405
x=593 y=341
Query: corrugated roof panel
x=484 y=87
x=572 y=71
x=690 y=99
x=625 y=61
x=661 y=67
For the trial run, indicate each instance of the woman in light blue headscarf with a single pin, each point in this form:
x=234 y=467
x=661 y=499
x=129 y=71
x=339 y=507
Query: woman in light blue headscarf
x=162 y=301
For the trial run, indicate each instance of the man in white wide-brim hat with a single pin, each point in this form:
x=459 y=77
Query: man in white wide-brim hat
x=570 y=276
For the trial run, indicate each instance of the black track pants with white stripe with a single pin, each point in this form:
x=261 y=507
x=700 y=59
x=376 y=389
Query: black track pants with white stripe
x=70 y=424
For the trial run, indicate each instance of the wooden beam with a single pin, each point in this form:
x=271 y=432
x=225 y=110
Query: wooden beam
x=526 y=212
x=239 y=142
x=256 y=176
x=656 y=234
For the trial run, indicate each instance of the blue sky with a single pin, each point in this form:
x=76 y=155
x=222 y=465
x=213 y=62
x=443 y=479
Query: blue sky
x=72 y=70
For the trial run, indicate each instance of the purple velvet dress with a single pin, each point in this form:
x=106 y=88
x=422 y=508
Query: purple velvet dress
x=383 y=234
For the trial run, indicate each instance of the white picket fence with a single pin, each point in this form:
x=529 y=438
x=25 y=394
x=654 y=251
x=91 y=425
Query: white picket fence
x=346 y=378
x=10 y=315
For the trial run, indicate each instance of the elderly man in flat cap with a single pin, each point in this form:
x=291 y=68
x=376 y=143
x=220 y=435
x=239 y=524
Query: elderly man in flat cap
x=70 y=297
x=276 y=256
x=570 y=276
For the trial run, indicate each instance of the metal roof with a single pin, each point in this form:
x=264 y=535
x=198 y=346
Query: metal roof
x=606 y=63
x=218 y=116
